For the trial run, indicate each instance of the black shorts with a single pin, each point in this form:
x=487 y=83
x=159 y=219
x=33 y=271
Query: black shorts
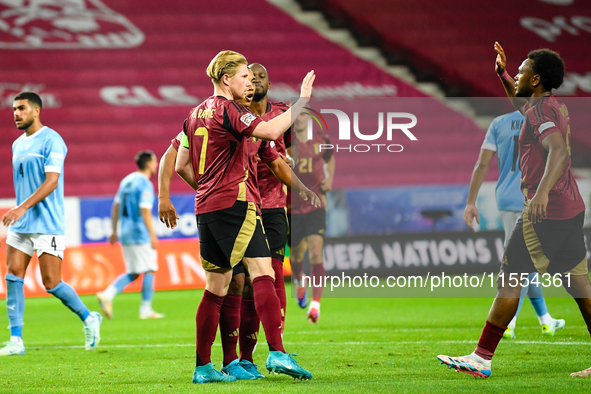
x=303 y=225
x=552 y=246
x=228 y=235
x=275 y=223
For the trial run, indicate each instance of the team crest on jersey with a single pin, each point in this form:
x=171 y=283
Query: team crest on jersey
x=247 y=119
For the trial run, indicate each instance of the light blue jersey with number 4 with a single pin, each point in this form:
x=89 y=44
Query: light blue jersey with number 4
x=135 y=192
x=503 y=137
x=32 y=157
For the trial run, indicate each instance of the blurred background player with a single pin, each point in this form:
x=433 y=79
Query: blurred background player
x=308 y=223
x=133 y=206
x=229 y=226
x=502 y=138
x=549 y=235
x=37 y=223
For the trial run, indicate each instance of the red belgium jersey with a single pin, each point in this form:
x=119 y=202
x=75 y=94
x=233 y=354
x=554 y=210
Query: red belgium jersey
x=548 y=115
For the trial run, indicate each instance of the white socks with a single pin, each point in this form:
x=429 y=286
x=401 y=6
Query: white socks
x=315 y=305
x=146 y=307
x=18 y=340
x=545 y=319
x=478 y=359
x=89 y=319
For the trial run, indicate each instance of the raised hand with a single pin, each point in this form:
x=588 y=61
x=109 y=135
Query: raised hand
x=307 y=84
x=501 y=61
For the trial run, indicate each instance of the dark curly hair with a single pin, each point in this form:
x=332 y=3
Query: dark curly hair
x=32 y=97
x=549 y=66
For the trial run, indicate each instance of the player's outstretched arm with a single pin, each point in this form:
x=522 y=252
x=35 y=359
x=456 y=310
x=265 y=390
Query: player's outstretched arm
x=557 y=157
x=166 y=211
x=49 y=185
x=478 y=175
x=184 y=169
x=285 y=174
x=508 y=82
x=274 y=128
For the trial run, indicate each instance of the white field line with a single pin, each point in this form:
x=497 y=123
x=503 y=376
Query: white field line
x=344 y=343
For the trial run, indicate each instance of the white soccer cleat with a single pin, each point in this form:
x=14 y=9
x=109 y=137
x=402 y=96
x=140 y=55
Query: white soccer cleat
x=92 y=332
x=152 y=315
x=550 y=330
x=106 y=304
x=582 y=374
x=12 y=349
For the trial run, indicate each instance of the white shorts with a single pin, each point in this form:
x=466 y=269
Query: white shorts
x=40 y=243
x=140 y=258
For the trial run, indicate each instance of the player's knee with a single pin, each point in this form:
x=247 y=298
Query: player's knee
x=50 y=282
x=236 y=285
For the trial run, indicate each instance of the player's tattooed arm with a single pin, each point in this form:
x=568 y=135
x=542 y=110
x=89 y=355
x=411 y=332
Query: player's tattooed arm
x=48 y=186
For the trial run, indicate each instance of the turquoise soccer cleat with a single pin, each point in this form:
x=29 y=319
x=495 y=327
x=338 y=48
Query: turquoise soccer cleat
x=251 y=369
x=12 y=349
x=208 y=374
x=235 y=369
x=466 y=364
x=279 y=362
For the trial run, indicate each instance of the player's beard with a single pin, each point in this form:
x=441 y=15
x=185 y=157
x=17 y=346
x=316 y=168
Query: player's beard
x=25 y=125
x=259 y=96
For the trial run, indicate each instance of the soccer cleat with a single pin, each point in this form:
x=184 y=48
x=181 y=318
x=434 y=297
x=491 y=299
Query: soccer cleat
x=313 y=315
x=92 y=332
x=279 y=362
x=302 y=297
x=251 y=369
x=208 y=374
x=509 y=334
x=550 y=329
x=466 y=364
x=106 y=305
x=235 y=369
x=152 y=315
x=583 y=374
x=12 y=349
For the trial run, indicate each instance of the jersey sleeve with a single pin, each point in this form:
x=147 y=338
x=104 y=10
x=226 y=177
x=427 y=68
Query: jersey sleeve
x=176 y=142
x=54 y=153
x=239 y=120
x=542 y=121
x=268 y=152
x=147 y=195
x=490 y=139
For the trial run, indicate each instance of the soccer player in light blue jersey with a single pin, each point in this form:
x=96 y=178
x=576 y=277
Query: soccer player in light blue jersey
x=133 y=207
x=502 y=138
x=36 y=224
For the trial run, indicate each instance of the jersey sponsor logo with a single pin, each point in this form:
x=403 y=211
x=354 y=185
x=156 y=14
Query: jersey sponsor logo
x=247 y=119
x=545 y=126
x=58 y=24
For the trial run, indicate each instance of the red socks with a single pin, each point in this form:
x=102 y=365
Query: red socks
x=229 y=326
x=249 y=328
x=317 y=273
x=297 y=270
x=489 y=339
x=280 y=288
x=207 y=319
x=269 y=310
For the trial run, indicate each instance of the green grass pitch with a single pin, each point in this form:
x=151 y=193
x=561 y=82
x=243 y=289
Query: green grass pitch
x=359 y=346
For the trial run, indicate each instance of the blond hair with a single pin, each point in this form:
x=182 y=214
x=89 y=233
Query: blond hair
x=225 y=62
